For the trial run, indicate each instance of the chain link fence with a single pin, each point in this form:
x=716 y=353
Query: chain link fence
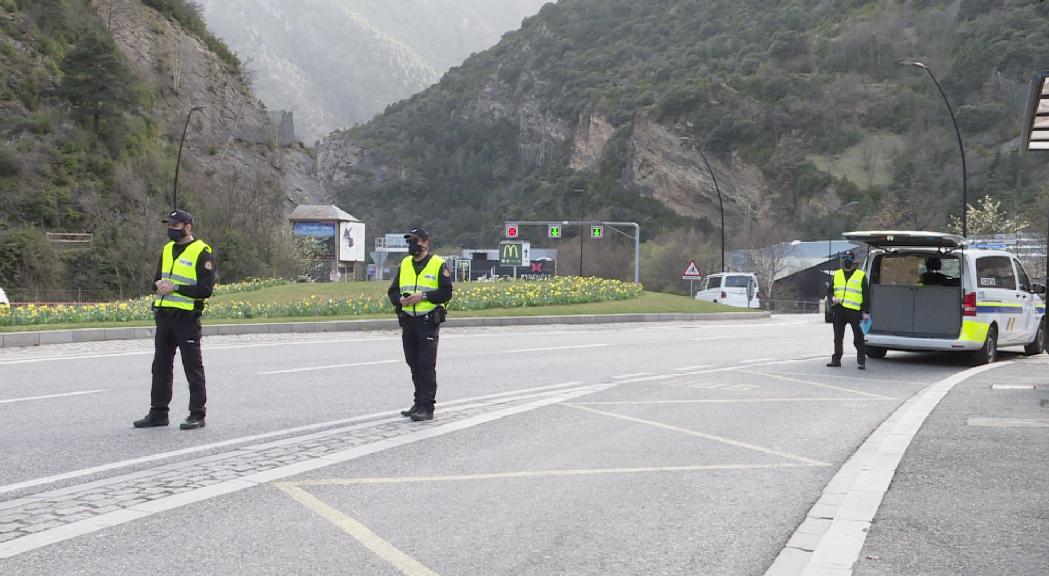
x=24 y=296
x=792 y=306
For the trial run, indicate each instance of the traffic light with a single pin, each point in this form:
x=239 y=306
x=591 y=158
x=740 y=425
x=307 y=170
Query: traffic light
x=597 y=231
x=553 y=231
x=512 y=231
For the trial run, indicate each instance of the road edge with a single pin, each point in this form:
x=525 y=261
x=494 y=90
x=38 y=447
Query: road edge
x=830 y=539
x=44 y=337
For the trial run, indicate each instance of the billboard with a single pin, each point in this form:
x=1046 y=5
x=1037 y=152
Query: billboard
x=316 y=239
x=351 y=242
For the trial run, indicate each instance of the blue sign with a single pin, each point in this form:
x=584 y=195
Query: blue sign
x=315 y=229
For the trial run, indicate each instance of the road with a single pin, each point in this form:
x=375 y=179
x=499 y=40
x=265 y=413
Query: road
x=670 y=448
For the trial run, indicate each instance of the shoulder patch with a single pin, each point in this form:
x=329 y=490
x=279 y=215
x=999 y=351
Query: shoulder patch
x=444 y=272
x=209 y=265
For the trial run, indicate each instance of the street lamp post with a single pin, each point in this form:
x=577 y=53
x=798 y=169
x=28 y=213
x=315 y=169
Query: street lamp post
x=961 y=147
x=582 y=228
x=830 y=216
x=178 y=163
x=721 y=205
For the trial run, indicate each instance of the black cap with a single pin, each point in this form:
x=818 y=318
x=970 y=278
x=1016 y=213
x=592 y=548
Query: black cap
x=848 y=255
x=179 y=216
x=418 y=233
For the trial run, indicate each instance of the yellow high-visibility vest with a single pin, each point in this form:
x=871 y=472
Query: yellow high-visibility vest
x=182 y=271
x=850 y=293
x=426 y=281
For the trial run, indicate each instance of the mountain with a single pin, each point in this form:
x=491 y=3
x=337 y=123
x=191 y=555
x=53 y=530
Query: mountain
x=93 y=107
x=337 y=63
x=800 y=106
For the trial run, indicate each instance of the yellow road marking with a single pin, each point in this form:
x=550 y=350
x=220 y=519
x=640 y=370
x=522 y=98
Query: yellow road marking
x=721 y=439
x=383 y=549
x=727 y=401
x=828 y=386
x=541 y=474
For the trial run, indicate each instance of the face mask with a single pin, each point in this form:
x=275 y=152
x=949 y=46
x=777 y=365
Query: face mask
x=847 y=264
x=174 y=234
x=414 y=247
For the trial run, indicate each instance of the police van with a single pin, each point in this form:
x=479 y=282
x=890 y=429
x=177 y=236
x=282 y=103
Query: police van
x=737 y=289
x=930 y=292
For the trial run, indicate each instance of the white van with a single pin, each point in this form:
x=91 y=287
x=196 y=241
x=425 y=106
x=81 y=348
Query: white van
x=928 y=292
x=737 y=289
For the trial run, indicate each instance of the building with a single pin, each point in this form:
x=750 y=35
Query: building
x=330 y=243
x=801 y=270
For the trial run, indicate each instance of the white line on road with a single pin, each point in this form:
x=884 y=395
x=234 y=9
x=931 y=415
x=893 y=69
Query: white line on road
x=553 y=348
x=328 y=367
x=756 y=360
x=634 y=375
x=28 y=398
x=687 y=368
x=718 y=338
x=854 y=494
x=252 y=438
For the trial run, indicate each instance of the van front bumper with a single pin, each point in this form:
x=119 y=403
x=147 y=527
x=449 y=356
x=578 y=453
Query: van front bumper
x=927 y=344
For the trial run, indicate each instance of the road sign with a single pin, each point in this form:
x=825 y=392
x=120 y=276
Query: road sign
x=553 y=231
x=514 y=253
x=691 y=271
x=512 y=231
x=597 y=231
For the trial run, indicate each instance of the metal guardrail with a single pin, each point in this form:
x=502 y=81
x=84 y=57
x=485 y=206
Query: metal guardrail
x=792 y=306
x=24 y=296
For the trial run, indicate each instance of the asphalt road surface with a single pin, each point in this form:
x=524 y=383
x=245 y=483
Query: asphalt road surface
x=671 y=448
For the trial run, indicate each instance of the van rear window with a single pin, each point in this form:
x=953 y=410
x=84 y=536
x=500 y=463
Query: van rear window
x=737 y=281
x=995 y=272
x=915 y=270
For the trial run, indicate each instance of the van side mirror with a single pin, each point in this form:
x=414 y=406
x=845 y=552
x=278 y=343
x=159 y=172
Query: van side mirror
x=1037 y=288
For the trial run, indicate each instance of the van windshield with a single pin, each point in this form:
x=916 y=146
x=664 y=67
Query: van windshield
x=737 y=281
x=916 y=270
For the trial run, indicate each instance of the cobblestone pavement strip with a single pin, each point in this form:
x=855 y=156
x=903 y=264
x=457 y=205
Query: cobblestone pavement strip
x=138 y=494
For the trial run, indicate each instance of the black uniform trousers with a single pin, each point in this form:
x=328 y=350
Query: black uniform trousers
x=842 y=317
x=177 y=329
x=420 y=335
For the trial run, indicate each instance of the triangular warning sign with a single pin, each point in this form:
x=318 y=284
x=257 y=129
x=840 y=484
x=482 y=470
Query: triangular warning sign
x=691 y=271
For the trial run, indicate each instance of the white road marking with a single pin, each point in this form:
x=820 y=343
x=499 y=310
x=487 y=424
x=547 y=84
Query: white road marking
x=1012 y=387
x=727 y=401
x=634 y=375
x=254 y=437
x=47 y=537
x=817 y=384
x=329 y=367
x=718 y=338
x=852 y=497
x=721 y=439
x=686 y=368
x=28 y=398
x=756 y=360
x=552 y=348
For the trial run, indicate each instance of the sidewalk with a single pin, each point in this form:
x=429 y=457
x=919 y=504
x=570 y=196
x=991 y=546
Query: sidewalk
x=971 y=495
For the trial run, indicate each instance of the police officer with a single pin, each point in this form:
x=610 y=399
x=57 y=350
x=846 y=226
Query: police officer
x=185 y=277
x=850 y=294
x=422 y=283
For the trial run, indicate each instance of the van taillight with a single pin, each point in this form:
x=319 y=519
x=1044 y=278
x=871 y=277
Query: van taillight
x=969 y=304
x=724 y=294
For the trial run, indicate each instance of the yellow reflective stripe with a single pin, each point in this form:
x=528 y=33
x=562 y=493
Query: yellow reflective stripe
x=425 y=281
x=974 y=331
x=184 y=281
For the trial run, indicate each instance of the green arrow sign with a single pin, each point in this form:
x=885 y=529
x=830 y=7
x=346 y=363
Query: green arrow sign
x=553 y=231
x=597 y=231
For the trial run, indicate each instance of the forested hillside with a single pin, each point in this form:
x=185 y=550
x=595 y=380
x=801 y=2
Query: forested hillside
x=337 y=63
x=93 y=102
x=801 y=106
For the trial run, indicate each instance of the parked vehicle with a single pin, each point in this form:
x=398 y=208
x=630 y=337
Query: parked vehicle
x=737 y=289
x=929 y=292
x=3 y=298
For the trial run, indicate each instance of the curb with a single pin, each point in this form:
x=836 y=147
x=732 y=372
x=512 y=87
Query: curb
x=43 y=337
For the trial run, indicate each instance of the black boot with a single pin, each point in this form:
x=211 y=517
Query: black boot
x=834 y=363
x=410 y=411
x=421 y=414
x=192 y=423
x=152 y=420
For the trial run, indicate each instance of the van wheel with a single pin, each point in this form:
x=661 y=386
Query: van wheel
x=1038 y=345
x=876 y=352
x=988 y=354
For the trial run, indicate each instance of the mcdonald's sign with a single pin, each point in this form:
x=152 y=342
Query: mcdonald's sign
x=512 y=254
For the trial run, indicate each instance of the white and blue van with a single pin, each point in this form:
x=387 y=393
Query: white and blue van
x=930 y=292
x=739 y=289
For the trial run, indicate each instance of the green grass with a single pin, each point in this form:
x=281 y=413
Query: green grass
x=647 y=303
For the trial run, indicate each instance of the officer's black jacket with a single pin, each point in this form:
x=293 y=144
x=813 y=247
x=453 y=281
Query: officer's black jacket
x=441 y=295
x=866 y=305
x=205 y=277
